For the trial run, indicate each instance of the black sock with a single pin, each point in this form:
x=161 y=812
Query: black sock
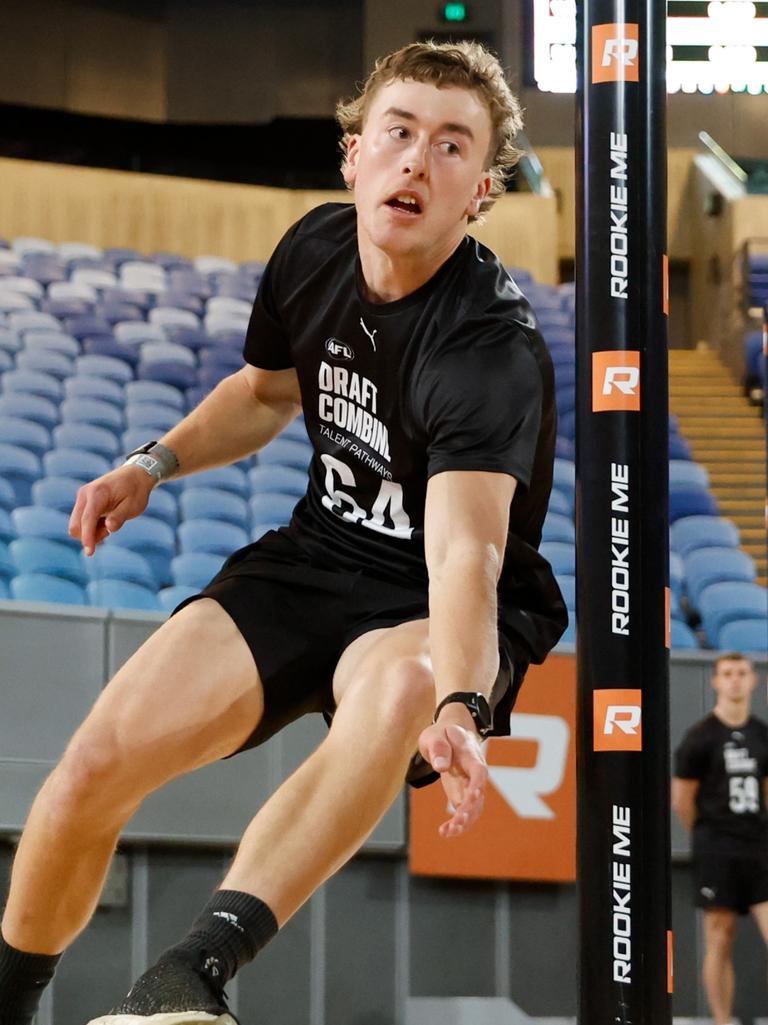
x=23 y=977
x=229 y=932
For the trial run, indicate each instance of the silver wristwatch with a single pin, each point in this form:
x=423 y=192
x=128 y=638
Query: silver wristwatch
x=157 y=460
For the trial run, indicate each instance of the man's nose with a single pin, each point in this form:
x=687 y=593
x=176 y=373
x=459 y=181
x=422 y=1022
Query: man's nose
x=416 y=160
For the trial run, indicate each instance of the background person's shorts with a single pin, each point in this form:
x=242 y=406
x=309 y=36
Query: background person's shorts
x=298 y=619
x=730 y=873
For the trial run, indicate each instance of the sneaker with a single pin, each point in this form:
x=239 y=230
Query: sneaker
x=176 y=991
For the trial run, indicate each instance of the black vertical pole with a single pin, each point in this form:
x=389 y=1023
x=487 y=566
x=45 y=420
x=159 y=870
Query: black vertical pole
x=622 y=515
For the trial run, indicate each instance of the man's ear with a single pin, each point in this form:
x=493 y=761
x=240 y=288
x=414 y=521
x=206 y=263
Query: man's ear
x=481 y=191
x=349 y=171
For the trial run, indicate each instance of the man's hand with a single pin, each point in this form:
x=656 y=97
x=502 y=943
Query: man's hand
x=103 y=506
x=454 y=751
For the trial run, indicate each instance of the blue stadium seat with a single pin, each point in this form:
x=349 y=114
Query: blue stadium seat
x=71 y=462
x=122 y=594
x=192 y=338
x=19 y=467
x=102 y=414
x=131 y=296
x=749 y=635
x=151 y=416
x=171 y=597
x=208 y=377
x=104 y=366
x=30 y=407
x=561 y=503
x=163 y=506
x=39 y=555
x=676 y=574
x=691 y=502
x=561 y=556
x=214 y=536
x=7 y=496
x=558 y=528
x=87 y=326
x=273 y=477
x=7 y=565
x=285 y=452
x=46 y=588
x=153 y=539
x=132 y=334
x=62 y=309
x=566 y=424
x=101 y=388
x=154 y=392
x=684 y=474
x=565 y=449
x=89 y=437
x=222 y=358
x=564 y=477
x=724 y=602
x=103 y=345
x=32 y=382
x=25 y=433
x=272 y=507
x=32 y=320
x=6 y=361
x=118 y=255
x=692 y=532
x=682 y=637
x=176 y=374
x=115 y=562
x=706 y=566
x=173 y=316
x=679 y=447
x=118 y=312
x=171 y=261
x=211 y=503
x=7 y=530
x=58 y=493
x=37 y=521
x=9 y=340
x=166 y=352
x=53 y=341
x=567 y=585
x=228 y=478
x=195 y=569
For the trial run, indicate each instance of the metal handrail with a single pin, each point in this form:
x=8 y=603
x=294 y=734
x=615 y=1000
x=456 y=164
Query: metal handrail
x=727 y=161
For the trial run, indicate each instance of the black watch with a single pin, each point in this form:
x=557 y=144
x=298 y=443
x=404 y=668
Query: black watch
x=478 y=707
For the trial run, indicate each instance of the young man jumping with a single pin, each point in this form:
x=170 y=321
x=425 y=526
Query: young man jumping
x=406 y=597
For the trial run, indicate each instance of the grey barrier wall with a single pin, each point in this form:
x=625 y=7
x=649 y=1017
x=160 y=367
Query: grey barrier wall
x=373 y=937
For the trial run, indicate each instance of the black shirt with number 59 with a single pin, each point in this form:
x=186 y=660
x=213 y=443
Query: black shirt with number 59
x=731 y=763
x=454 y=376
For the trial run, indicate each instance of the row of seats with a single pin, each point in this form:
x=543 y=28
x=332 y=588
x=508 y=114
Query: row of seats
x=67 y=413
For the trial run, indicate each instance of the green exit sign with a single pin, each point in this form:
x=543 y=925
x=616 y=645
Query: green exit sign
x=454 y=12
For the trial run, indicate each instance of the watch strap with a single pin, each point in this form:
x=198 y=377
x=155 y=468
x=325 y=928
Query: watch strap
x=477 y=705
x=155 y=459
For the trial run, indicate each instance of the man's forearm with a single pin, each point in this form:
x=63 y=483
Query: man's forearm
x=228 y=425
x=463 y=623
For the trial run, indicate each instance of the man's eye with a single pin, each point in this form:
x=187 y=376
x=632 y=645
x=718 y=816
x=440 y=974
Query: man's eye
x=450 y=147
x=398 y=132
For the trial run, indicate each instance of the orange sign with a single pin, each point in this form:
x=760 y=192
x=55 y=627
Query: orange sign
x=615 y=381
x=528 y=827
x=618 y=720
x=616 y=53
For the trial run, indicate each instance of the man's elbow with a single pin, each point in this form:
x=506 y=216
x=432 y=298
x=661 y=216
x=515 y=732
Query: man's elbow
x=470 y=559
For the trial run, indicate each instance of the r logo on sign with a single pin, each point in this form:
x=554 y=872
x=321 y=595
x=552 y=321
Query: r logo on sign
x=615 y=53
x=618 y=720
x=615 y=381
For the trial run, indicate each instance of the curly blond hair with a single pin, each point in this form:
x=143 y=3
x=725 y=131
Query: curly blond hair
x=466 y=65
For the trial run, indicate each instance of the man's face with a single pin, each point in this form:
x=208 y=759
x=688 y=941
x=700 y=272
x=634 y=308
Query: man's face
x=418 y=166
x=734 y=680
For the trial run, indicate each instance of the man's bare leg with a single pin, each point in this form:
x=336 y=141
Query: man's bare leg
x=717 y=970
x=760 y=915
x=324 y=812
x=189 y=696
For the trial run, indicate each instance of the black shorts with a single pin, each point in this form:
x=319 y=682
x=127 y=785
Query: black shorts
x=729 y=873
x=298 y=619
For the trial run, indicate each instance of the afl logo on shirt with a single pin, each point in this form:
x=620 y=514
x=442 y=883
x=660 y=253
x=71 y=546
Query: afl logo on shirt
x=339 y=350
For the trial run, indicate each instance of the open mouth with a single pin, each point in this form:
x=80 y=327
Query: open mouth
x=402 y=201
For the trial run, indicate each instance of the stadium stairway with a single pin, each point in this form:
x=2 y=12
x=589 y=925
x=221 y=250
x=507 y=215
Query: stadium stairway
x=727 y=436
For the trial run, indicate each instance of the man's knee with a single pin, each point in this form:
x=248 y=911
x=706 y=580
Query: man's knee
x=90 y=781
x=720 y=932
x=405 y=694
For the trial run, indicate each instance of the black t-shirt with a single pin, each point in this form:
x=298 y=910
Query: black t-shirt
x=454 y=376
x=730 y=764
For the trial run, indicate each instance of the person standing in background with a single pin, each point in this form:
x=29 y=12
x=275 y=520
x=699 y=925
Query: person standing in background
x=719 y=793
